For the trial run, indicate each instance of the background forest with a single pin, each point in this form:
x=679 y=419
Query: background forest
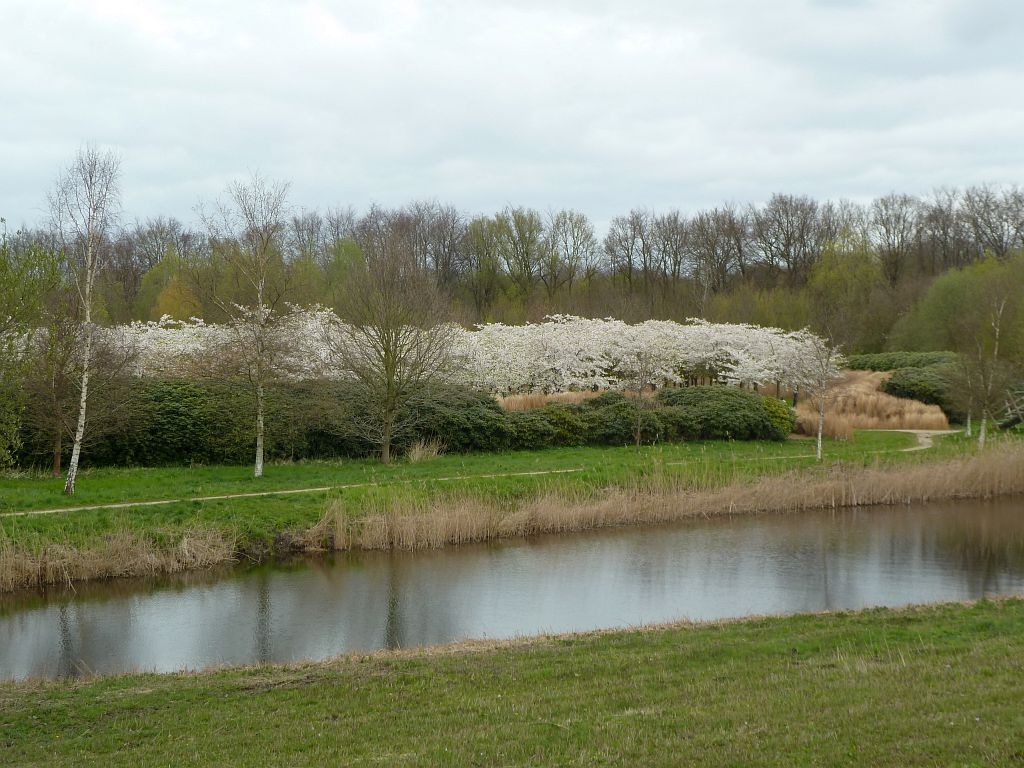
x=858 y=273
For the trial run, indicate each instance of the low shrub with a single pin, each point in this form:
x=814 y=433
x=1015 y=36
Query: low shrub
x=605 y=399
x=678 y=424
x=616 y=424
x=781 y=414
x=530 y=431
x=568 y=422
x=463 y=419
x=725 y=413
x=929 y=385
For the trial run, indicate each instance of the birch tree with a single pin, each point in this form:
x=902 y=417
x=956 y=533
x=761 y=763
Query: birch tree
x=246 y=279
x=819 y=366
x=84 y=206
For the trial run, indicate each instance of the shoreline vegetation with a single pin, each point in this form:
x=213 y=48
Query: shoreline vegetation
x=934 y=684
x=417 y=510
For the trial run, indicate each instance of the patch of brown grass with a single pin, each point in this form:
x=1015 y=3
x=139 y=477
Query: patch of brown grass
x=836 y=427
x=855 y=402
x=128 y=553
x=461 y=519
x=537 y=400
x=425 y=450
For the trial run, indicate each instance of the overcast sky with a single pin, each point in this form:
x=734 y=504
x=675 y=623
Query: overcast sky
x=592 y=105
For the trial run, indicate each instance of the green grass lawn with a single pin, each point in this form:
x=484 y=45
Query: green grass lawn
x=926 y=686
x=113 y=485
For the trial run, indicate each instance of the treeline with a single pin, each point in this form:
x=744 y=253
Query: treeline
x=848 y=270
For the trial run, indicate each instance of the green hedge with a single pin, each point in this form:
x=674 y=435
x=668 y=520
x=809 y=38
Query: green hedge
x=929 y=385
x=189 y=422
x=890 y=361
x=728 y=413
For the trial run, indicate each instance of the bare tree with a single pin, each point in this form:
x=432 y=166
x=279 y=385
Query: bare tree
x=392 y=341
x=572 y=239
x=671 y=235
x=996 y=217
x=630 y=248
x=713 y=251
x=84 y=206
x=248 y=227
x=895 y=225
x=788 y=235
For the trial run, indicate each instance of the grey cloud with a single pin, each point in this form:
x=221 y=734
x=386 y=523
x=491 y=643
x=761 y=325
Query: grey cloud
x=597 y=106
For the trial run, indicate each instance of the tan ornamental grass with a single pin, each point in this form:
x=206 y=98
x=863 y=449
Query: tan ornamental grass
x=534 y=400
x=425 y=450
x=856 y=402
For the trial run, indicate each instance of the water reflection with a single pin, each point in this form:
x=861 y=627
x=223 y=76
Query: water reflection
x=711 y=569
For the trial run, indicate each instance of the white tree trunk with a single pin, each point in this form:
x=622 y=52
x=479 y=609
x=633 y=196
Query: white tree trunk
x=969 y=433
x=258 y=472
x=821 y=426
x=982 y=429
x=76 y=450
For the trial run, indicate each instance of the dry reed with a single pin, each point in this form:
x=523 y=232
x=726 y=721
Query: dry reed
x=463 y=519
x=128 y=553
x=424 y=450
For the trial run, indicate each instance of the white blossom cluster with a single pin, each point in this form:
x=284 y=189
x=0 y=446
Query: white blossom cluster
x=562 y=353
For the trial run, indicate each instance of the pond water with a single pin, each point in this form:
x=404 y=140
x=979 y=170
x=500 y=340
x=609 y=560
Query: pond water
x=316 y=608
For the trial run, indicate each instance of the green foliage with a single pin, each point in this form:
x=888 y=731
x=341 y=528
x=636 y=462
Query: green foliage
x=171 y=422
x=569 y=423
x=846 y=289
x=10 y=423
x=530 y=430
x=889 y=361
x=781 y=414
x=464 y=420
x=725 y=413
x=930 y=384
x=616 y=424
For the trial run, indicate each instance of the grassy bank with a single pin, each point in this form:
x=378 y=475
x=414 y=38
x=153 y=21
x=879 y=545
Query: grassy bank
x=485 y=496
x=926 y=686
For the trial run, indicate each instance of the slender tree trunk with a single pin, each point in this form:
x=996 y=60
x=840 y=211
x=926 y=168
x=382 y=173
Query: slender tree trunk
x=76 y=450
x=982 y=428
x=969 y=432
x=258 y=472
x=821 y=427
x=58 y=447
x=385 y=442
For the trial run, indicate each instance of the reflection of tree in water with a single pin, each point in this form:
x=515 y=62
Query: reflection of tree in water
x=394 y=631
x=264 y=624
x=986 y=545
x=69 y=664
